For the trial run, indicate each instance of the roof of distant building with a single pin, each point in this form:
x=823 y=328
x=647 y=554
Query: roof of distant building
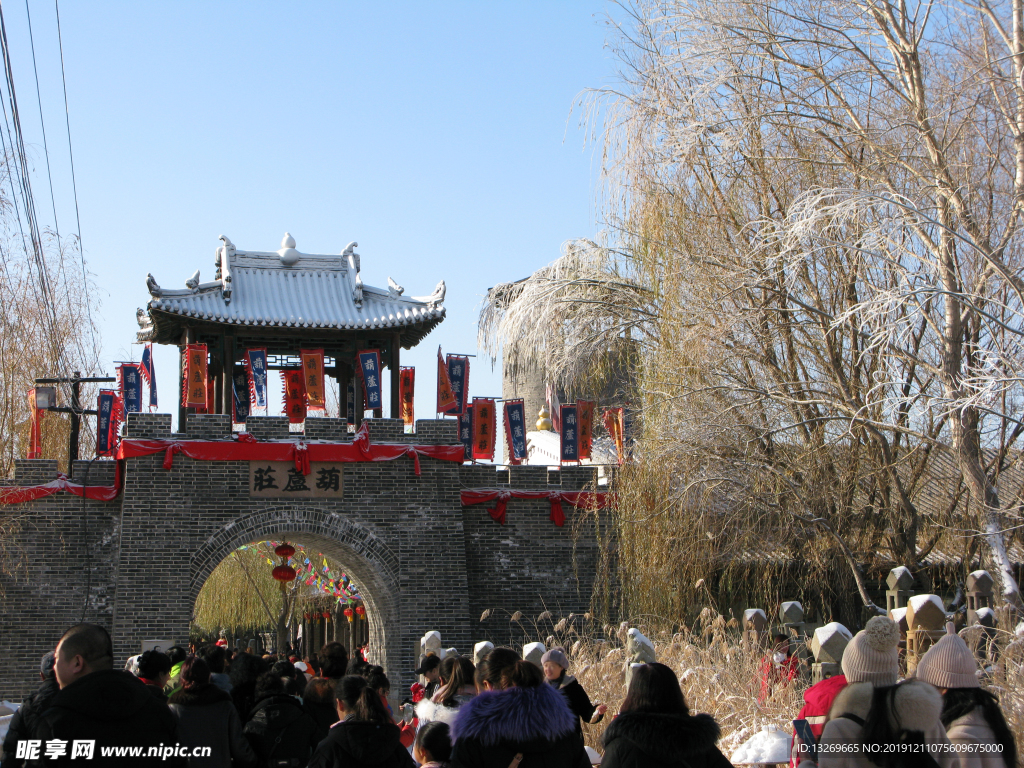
x=289 y=289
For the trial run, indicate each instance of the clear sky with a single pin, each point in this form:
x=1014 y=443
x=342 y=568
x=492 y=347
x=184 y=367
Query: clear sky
x=437 y=135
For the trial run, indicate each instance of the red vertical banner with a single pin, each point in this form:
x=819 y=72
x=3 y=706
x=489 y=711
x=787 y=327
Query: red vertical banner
x=406 y=394
x=614 y=422
x=35 y=437
x=313 y=378
x=484 y=427
x=445 y=397
x=194 y=373
x=294 y=395
x=585 y=418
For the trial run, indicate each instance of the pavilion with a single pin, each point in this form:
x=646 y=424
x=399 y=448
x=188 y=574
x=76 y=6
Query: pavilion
x=285 y=301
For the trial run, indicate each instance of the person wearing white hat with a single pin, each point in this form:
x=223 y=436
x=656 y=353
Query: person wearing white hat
x=873 y=712
x=974 y=722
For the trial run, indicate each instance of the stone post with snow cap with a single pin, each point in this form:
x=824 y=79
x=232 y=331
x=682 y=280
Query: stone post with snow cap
x=926 y=623
x=639 y=650
x=979 y=597
x=480 y=650
x=827 y=646
x=534 y=652
x=900 y=580
x=755 y=627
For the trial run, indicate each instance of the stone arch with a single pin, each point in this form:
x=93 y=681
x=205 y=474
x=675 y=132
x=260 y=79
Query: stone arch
x=371 y=562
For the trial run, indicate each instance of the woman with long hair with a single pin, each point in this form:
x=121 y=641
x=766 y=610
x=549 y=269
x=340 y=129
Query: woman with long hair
x=515 y=717
x=457 y=688
x=207 y=718
x=970 y=714
x=365 y=735
x=655 y=728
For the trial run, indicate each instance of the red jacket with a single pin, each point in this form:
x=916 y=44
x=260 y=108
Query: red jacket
x=817 y=702
x=773 y=674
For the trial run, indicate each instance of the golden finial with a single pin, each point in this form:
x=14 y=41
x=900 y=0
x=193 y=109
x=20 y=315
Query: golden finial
x=544 y=419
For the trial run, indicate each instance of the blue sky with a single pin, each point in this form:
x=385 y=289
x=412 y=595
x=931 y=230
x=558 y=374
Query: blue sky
x=437 y=135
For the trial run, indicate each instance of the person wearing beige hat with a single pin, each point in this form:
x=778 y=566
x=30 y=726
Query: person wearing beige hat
x=873 y=711
x=972 y=717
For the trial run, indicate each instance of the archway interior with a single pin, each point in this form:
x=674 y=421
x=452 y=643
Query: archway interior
x=242 y=602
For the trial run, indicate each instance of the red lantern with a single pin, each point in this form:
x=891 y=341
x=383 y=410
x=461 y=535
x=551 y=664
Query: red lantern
x=348 y=613
x=284 y=573
x=285 y=550
x=327 y=615
x=361 y=611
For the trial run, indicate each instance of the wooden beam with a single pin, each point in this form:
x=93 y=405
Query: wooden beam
x=395 y=366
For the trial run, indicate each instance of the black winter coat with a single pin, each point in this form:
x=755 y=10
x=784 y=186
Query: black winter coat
x=359 y=744
x=114 y=708
x=207 y=718
x=492 y=728
x=577 y=699
x=24 y=721
x=655 y=740
x=281 y=733
x=324 y=715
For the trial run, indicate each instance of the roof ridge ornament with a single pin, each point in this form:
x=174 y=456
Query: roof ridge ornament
x=193 y=282
x=224 y=254
x=394 y=289
x=154 y=289
x=353 y=262
x=289 y=256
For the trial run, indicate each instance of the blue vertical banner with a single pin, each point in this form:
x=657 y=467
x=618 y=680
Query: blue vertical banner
x=257 y=359
x=350 y=403
x=369 y=367
x=515 y=430
x=458 y=374
x=240 y=392
x=149 y=373
x=131 y=387
x=105 y=411
x=569 y=449
x=466 y=432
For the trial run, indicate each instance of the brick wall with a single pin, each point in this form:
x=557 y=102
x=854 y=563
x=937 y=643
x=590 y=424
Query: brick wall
x=422 y=561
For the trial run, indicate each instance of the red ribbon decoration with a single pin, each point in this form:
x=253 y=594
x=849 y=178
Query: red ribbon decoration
x=594 y=499
x=19 y=495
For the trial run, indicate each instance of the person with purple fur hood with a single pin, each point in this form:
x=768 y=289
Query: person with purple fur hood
x=515 y=720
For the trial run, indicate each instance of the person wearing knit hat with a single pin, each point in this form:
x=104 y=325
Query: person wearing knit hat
x=971 y=715
x=873 y=654
x=556 y=673
x=862 y=720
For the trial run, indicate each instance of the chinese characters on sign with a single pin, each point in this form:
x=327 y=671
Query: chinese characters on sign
x=106 y=408
x=313 y=373
x=586 y=432
x=466 y=432
x=131 y=387
x=458 y=374
x=484 y=428
x=240 y=394
x=257 y=364
x=369 y=367
x=570 y=435
x=407 y=391
x=294 y=395
x=194 y=371
x=515 y=430
x=281 y=480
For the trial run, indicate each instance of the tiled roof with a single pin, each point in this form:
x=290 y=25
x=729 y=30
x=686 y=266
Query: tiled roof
x=289 y=289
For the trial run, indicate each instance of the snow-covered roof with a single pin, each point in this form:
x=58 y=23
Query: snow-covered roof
x=289 y=289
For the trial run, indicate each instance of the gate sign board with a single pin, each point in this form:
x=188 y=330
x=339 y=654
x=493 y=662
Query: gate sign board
x=281 y=480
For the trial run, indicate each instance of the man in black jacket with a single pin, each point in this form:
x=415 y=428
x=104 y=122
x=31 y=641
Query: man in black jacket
x=99 y=704
x=24 y=721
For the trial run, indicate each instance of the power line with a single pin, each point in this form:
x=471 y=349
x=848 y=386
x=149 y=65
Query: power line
x=74 y=185
x=42 y=123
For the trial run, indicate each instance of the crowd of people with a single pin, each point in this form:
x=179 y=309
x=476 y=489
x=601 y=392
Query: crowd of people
x=219 y=708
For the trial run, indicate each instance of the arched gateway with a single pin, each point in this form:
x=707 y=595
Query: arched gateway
x=133 y=549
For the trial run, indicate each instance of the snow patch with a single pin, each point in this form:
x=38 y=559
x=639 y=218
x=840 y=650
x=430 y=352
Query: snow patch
x=898 y=614
x=823 y=634
x=985 y=612
x=770 y=745
x=917 y=602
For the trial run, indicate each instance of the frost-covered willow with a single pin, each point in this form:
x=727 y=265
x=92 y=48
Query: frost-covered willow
x=822 y=199
x=575 y=317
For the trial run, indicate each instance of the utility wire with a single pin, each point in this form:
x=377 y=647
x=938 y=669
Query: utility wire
x=74 y=185
x=42 y=123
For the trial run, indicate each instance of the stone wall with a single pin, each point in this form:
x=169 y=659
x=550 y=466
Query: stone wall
x=422 y=561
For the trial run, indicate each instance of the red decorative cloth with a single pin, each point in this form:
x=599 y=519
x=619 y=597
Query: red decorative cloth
x=593 y=499
x=21 y=494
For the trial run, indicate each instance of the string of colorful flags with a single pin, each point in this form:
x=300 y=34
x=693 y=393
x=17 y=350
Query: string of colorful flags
x=332 y=583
